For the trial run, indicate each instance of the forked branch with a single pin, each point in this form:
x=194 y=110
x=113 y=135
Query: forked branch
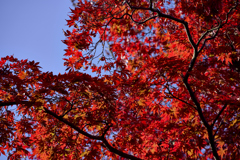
x=60 y=118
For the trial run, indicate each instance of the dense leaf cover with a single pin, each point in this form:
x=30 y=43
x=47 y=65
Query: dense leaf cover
x=166 y=85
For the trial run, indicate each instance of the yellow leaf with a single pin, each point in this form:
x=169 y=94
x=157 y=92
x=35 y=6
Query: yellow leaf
x=154 y=149
x=221 y=152
x=190 y=152
x=141 y=102
x=67 y=149
x=175 y=111
x=220 y=143
x=84 y=153
x=233 y=122
x=22 y=75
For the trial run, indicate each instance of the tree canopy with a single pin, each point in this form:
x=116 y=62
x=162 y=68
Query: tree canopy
x=166 y=85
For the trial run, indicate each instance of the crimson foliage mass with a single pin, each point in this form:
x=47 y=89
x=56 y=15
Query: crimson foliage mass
x=166 y=85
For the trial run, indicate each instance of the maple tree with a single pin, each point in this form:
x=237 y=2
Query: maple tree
x=166 y=85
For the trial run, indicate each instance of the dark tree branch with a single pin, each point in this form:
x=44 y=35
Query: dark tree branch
x=169 y=92
x=217 y=28
x=151 y=5
x=142 y=22
x=101 y=138
x=231 y=42
x=160 y=14
x=213 y=37
x=218 y=128
x=67 y=110
x=20 y=102
x=184 y=23
x=197 y=104
x=192 y=95
x=60 y=118
x=205 y=34
x=190 y=68
x=200 y=113
x=225 y=106
x=7 y=103
x=105 y=132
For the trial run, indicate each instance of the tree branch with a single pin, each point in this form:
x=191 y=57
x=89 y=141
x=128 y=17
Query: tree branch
x=213 y=37
x=20 y=102
x=215 y=28
x=101 y=138
x=60 y=118
x=225 y=106
x=169 y=92
x=197 y=104
x=160 y=14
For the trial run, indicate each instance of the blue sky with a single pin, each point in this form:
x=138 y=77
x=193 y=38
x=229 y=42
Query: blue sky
x=32 y=29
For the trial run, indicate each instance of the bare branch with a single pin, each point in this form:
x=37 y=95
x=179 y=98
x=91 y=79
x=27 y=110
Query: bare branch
x=7 y=103
x=17 y=103
x=205 y=34
x=215 y=28
x=225 y=106
x=160 y=14
x=218 y=128
x=101 y=138
x=105 y=132
x=231 y=42
x=169 y=92
x=213 y=37
x=60 y=118
x=153 y=17
x=197 y=104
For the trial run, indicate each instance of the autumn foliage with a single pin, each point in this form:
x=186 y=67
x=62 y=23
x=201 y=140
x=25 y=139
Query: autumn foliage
x=165 y=85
